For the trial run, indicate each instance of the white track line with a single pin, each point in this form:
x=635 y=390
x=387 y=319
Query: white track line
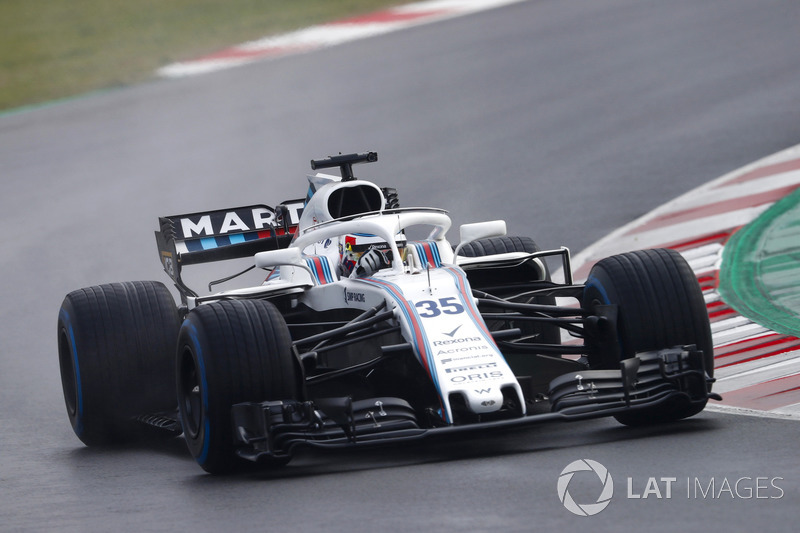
x=331 y=34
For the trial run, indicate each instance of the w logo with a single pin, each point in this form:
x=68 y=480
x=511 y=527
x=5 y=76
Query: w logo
x=585 y=509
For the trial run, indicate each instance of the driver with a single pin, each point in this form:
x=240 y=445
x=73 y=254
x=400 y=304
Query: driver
x=362 y=255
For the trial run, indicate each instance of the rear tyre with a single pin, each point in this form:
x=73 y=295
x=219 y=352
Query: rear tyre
x=660 y=306
x=498 y=245
x=229 y=352
x=114 y=348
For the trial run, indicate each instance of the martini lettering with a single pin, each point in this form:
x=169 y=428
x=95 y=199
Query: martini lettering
x=225 y=222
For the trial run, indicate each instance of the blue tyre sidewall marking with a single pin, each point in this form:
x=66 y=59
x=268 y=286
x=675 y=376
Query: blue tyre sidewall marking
x=78 y=425
x=594 y=282
x=201 y=459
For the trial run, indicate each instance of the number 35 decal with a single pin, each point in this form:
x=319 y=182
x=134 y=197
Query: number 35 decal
x=448 y=306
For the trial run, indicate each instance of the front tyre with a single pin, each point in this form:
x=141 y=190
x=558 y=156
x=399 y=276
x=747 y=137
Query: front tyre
x=114 y=349
x=660 y=305
x=229 y=352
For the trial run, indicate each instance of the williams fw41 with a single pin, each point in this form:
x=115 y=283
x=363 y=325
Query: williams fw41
x=364 y=334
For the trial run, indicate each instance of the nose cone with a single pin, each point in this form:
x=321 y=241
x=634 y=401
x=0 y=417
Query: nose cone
x=484 y=399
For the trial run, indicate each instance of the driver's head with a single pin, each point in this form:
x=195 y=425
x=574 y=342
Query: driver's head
x=353 y=247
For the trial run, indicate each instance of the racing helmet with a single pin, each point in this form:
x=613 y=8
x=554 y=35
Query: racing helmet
x=352 y=248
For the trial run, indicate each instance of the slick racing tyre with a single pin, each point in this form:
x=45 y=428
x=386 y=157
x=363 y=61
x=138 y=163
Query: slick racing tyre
x=229 y=352
x=660 y=305
x=115 y=346
x=495 y=278
x=498 y=245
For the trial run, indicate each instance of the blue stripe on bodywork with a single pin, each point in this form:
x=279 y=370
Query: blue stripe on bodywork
x=194 y=245
x=317 y=264
x=469 y=305
x=208 y=242
x=414 y=321
x=435 y=251
x=429 y=251
x=326 y=267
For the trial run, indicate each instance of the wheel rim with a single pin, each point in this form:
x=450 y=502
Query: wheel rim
x=69 y=378
x=190 y=395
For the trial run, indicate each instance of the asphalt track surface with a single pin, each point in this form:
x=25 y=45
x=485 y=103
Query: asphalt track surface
x=566 y=118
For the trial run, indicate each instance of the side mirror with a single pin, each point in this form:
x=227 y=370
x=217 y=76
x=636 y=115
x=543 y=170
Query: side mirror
x=480 y=230
x=276 y=258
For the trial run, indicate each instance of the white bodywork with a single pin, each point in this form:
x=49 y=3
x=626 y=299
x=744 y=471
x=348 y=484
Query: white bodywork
x=429 y=293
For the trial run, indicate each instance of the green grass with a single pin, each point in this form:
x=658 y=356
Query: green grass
x=51 y=49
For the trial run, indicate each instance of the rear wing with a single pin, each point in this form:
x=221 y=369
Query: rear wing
x=208 y=236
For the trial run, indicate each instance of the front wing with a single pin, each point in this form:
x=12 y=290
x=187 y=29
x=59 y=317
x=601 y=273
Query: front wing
x=273 y=429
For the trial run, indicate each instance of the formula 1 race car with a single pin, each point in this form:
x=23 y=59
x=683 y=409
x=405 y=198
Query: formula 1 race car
x=361 y=335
